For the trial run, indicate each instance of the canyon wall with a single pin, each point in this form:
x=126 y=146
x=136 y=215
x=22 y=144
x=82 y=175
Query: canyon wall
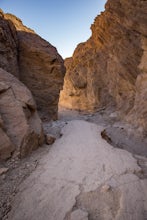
x=26 y=57
x=34 y=61
x=41 y=68
x=109 y=70
x=8 y=46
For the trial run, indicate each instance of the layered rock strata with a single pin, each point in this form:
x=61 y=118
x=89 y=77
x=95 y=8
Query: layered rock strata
x=20 y=126
x=110 y=68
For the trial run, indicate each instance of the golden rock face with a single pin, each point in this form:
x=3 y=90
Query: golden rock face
x=110 y=68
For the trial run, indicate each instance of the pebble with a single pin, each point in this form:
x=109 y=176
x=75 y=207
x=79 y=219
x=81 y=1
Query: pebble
x=105 y=188
x=50 y=139
x=3 y=170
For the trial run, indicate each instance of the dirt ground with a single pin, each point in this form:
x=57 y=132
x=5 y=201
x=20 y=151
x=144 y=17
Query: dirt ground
x=117 y=134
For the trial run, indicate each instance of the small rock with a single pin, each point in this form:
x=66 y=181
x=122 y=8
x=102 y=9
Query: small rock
x=3 y=170
x=91 y=115
x=50 y=139
x=3 y=176
x=105 y=188
x=105 y=136
x=113 y=115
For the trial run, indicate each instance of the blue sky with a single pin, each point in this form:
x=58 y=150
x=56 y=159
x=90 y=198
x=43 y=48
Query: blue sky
x=64 y=23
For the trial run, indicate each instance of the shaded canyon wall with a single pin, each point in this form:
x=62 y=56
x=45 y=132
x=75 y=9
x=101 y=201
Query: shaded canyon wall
x=34 y=61
x=26 y=58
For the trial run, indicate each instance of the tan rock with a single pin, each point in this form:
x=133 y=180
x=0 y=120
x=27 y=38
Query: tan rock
x=138 y=114
x=3 y=170
x=105 y=188
x=21 y=127
x=41 y=68
x=8 y=46
x=6 y=146
x=110 y=68
x=50 y=139
x=34 y=61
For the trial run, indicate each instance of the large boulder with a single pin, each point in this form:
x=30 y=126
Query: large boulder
x=20 y=126
x=110 y=68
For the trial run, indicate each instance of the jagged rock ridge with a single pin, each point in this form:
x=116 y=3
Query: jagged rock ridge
x=110 y=68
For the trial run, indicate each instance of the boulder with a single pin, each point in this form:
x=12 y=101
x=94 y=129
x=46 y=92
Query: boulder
x=20 y=126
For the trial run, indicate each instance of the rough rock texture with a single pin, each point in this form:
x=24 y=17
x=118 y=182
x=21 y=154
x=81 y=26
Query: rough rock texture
x=34 y=61
x=41 y=68
x=138 y=115
x=8 y=46
x=110 y=68
x=49 y=139
x=20 y=126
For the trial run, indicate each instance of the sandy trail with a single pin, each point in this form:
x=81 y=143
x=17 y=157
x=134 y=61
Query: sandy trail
x=82 y=177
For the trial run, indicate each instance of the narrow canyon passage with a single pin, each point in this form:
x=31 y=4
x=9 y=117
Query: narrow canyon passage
x=82 y=177
x=90 y=164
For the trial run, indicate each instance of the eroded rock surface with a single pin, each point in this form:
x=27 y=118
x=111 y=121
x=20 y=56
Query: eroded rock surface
x=41 y=68
x=8 y=46
x=110 y=68
x=34 y=61
x=83 y=177
x=20 y=126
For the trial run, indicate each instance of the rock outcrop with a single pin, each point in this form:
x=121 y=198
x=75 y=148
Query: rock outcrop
x=8 y=46
x=41 y=68
x=20 y=126
x=110 y=68
x=37 y=64
x=34 y=61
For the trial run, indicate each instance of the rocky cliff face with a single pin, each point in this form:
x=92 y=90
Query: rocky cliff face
x=20 y=126
x=110 y=68
x=38 y=65
x=34 y=61
x=8 y=46
x=41 y=68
